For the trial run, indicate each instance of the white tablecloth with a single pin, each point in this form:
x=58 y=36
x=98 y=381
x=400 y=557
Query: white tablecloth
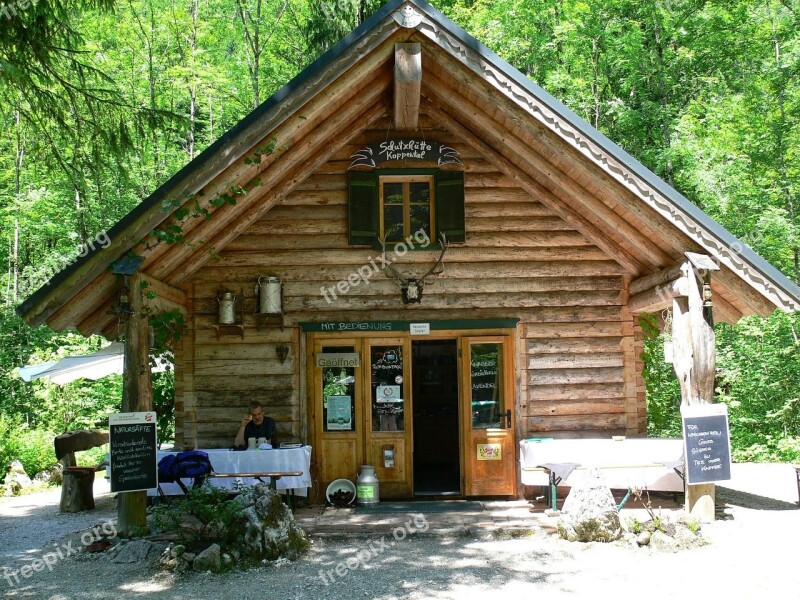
x=253 y=461
x=637 y=462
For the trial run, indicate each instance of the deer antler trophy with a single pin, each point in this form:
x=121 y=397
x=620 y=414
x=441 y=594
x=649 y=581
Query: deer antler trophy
x=411 y=288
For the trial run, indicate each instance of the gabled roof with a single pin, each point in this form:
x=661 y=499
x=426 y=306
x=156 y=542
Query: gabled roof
x=638 y=200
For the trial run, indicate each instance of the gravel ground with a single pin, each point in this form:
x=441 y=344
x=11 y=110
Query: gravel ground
x=752 y=555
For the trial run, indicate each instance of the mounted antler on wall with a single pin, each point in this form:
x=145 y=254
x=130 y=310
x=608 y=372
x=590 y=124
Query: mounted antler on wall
x=411 y=288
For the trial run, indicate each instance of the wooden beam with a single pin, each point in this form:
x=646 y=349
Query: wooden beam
x=162 y=296
x=137 y=396
x=658 y=297
x=166 y=257
x=725 y=311
x=575 y=180
x=293 y=135
x=407 y=85
x=658 y=278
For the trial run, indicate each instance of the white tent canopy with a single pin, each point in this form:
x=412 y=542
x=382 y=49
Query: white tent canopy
x=104 y=362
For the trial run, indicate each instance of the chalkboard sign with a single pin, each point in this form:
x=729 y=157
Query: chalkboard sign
x=707 y=443
x=132 y=440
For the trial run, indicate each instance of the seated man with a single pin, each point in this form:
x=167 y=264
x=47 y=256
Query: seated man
x=256 y=425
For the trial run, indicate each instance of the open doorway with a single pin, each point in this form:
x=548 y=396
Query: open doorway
x=437 y=468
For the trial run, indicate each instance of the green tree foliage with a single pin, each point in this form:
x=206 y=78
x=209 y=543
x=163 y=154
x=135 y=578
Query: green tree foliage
x=758 y=374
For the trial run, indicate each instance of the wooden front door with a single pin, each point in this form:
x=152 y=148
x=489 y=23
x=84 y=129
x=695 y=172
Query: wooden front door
x=487 y=416
x=337 y=413
x=387 y=413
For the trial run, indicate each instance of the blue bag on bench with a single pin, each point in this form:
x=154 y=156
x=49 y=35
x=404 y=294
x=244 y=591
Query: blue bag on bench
x=166 y=466
x=191 y=463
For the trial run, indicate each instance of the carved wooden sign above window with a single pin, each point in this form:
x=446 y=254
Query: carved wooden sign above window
x=381 y=152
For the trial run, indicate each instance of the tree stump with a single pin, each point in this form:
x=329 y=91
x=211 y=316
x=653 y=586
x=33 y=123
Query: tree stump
x=77 y=491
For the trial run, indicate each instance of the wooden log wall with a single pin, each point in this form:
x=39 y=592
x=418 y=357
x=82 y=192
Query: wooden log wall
x=577 y=345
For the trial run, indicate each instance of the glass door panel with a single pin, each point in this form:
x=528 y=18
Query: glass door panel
x=387 y=401
x=486 y=384
x=338 y=393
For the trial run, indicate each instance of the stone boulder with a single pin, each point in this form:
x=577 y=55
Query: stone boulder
x=589 y=513
x=16 y=478
x=209 y=559
x=56 y=473
x=132 y=551
x=267 y=526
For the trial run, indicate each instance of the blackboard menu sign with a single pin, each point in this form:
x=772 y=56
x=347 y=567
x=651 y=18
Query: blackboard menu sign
x=132 y=440
x=707 y=443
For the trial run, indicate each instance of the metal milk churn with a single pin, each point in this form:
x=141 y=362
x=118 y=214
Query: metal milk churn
x=269 y=295
x=367 y=486
x=227 y=308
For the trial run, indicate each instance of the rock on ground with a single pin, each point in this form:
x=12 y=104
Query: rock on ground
x=209 y=559
x=269 y=529
x=589 y=513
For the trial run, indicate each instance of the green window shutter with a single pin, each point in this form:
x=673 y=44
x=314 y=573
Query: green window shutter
x=450 y=205
x=364 y=220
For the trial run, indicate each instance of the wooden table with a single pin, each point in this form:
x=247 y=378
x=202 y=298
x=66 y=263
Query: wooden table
x=652 y=463
x=291 y=465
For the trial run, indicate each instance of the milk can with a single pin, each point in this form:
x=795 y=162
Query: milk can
x=367 y=486
x=227 y=310
x=269 y=295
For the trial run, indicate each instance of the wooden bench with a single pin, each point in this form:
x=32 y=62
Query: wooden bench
x=554 y=480
x=77 y=490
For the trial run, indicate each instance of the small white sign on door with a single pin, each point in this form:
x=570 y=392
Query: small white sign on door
x=387 y=393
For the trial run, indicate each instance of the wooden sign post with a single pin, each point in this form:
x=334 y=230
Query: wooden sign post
x=137 y=396
x=695 y=359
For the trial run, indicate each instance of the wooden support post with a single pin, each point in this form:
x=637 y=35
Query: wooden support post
x=137 y=396
x=407 y=85
x=694 y=361
x=77 y=491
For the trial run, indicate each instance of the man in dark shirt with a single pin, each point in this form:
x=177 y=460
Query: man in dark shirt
x=256 y=425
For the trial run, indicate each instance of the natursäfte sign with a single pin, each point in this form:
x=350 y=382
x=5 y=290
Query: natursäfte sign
x=132 y=441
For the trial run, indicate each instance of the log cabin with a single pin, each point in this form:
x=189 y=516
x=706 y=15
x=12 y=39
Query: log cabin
x=415 y=257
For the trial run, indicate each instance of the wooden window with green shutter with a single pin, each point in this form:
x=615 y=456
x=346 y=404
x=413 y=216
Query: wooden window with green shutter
x=393 y=205
x=364 y=220
x=406 y=206
x=450 y=218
